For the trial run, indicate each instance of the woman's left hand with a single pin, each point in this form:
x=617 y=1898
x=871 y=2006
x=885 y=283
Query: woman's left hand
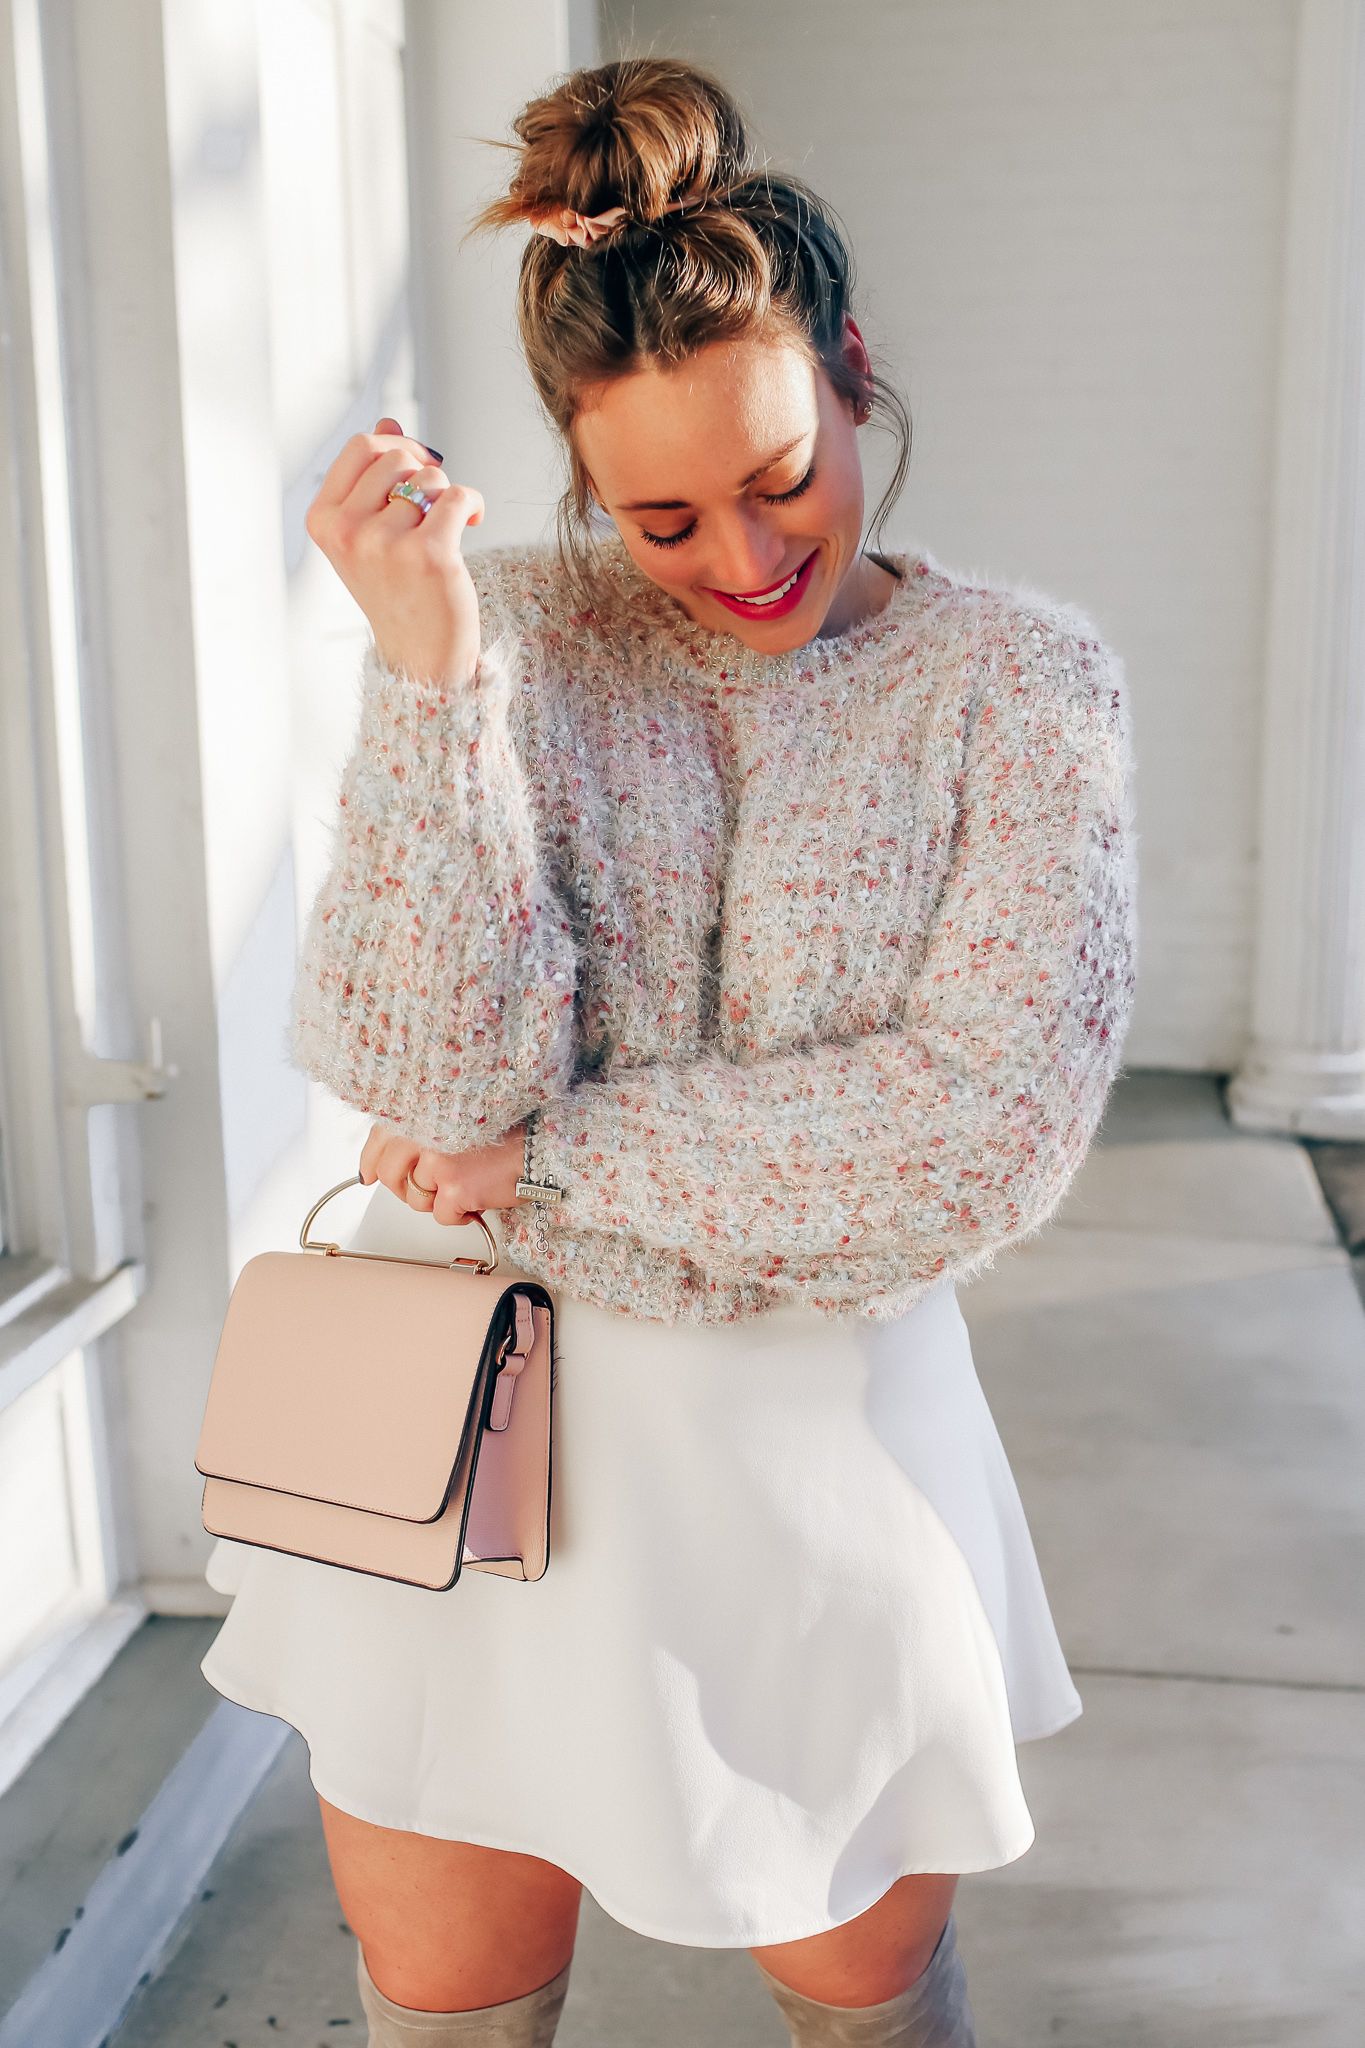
x=453 y=1187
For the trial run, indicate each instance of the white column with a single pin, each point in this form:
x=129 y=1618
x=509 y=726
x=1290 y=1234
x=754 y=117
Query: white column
x=106 y=95
x=1305 y=1071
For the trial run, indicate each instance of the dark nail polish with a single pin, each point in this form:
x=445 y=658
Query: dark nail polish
x=435 y=455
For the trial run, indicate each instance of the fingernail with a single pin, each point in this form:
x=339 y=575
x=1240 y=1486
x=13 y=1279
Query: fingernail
x=435 y=455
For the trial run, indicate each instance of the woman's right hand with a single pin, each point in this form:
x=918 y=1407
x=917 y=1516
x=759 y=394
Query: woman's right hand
x=455 y=1187
x=403 y=569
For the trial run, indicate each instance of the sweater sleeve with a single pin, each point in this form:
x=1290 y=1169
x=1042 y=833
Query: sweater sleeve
x=436 y=984
x=938 y=1142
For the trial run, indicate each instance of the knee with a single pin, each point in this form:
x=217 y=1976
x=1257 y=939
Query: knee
x=873 y=1958
x=931 y=2012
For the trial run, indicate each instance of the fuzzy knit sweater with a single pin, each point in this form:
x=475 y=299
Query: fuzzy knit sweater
x=817 y=967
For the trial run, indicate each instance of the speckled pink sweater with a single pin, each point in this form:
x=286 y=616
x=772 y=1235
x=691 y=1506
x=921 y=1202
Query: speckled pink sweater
x=818 y=966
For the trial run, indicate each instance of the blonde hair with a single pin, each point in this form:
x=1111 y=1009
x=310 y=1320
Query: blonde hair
x=710 y=249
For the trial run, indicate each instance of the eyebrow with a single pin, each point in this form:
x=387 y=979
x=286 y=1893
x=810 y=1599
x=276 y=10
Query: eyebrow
x=681 y=504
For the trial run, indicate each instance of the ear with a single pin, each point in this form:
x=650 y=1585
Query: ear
x=589 y=484
x=596 y=508
x=854 y=350
x=857 y=359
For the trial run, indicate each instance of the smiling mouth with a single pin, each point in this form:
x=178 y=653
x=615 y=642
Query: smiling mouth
x=777 y=599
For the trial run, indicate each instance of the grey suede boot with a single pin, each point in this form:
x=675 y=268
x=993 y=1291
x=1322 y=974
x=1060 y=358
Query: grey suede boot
x=933 y=2013
x=528 y=2022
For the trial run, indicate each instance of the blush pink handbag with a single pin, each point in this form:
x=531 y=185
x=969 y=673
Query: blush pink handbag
x=382 y=1413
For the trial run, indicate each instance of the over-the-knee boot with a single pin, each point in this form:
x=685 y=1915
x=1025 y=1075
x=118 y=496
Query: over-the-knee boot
x=528 y=2022
x=933 y=2013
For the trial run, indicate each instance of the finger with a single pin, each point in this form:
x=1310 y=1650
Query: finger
x=369 y=494
x=371 y=1152
x=399 y=1158
x=449 y=1206
x=355 y=458
x=424 y=1180
x=440 y=1171
x=390 y=426
x=431 y=482
x=457 y=508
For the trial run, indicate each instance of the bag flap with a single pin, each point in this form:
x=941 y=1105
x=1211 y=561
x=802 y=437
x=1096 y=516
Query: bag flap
x=349 y=1381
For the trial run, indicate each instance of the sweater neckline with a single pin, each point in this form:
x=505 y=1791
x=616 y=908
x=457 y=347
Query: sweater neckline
x=723 y=656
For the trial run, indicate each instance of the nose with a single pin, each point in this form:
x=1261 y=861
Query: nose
x=749 y=550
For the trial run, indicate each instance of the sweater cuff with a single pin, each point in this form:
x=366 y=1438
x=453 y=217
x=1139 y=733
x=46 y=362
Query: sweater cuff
x=423 y=712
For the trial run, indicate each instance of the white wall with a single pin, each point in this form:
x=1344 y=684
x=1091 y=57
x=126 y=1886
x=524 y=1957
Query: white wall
x=1068 y=216
x=232 y=464
x=471 y=68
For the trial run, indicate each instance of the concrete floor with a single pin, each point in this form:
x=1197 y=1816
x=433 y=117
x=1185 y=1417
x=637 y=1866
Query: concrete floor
x=1178 y=1371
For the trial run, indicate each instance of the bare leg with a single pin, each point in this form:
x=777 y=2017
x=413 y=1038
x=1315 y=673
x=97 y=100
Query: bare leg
x=873 y=1958
x=447 y=1927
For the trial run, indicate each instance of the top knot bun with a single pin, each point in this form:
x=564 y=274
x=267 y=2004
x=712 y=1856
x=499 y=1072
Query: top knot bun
x=643 y=135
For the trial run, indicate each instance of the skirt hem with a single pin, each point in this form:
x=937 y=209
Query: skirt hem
x=651 y=1930
x=1068 y=1720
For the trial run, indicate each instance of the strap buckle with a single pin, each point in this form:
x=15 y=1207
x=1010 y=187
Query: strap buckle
x=516 y=1352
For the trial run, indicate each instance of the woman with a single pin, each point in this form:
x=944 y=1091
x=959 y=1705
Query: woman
x=770 y=897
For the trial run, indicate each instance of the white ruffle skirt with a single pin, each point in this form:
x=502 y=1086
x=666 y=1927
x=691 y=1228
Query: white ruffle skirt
x=791 y=1631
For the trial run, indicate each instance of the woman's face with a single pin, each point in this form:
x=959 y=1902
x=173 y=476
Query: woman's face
x=736 y=486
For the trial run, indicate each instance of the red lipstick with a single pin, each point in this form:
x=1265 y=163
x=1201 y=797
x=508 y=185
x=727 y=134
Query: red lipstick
x=762 y=604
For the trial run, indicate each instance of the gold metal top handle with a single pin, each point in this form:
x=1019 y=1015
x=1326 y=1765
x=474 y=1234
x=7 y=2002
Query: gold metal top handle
x=336 y=1251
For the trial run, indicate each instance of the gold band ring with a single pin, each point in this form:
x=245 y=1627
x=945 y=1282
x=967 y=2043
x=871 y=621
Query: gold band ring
x=418 y=1189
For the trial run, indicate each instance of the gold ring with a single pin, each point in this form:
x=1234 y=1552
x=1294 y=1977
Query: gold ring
x=418 y=1189
x=414 y=494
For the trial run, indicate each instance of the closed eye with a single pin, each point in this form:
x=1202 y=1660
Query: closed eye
x=668 y=540
x=786 y=497
x=673 y=540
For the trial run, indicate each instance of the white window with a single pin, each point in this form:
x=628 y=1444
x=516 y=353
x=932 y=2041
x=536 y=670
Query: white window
x=70 y=1268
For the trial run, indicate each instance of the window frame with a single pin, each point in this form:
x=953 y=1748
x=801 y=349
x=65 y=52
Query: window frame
x=69 y=1232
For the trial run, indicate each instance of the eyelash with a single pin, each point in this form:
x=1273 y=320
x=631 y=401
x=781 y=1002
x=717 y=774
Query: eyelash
x=796 y=491
x=675 y=540
x=668 y=540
